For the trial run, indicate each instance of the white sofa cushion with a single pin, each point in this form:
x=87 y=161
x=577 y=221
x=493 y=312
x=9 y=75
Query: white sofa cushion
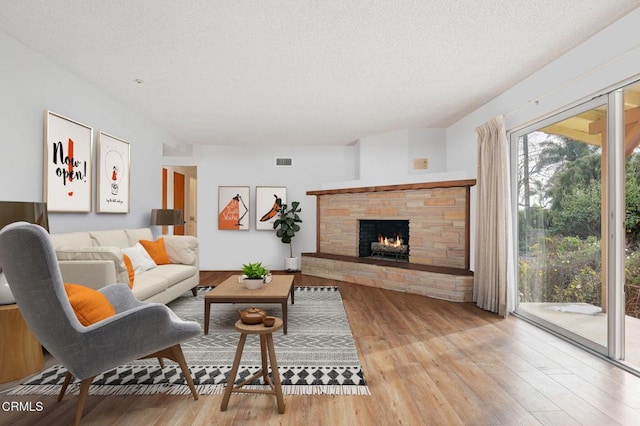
x=181 y=249
x=140 y=259
x=115 y=238
x=172 y=273
x=135 y=235
x=71 y=239
x=147 y=285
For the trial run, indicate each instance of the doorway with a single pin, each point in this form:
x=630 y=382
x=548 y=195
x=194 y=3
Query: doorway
x=180 y=192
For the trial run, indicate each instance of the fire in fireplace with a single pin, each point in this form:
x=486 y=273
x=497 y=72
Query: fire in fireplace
x=384 y=239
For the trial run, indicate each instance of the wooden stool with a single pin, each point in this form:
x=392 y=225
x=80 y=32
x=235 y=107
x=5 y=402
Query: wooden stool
x=266 y=344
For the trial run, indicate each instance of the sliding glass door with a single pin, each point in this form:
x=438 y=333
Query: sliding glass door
x=560 y=185
x=577 y=206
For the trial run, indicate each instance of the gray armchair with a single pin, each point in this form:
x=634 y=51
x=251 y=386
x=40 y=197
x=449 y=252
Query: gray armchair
x=137 y=330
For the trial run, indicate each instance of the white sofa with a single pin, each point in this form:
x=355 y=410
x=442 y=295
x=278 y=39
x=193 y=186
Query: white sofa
x=95 y=259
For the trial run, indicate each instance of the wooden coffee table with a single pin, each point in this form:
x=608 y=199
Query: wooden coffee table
x=231 y=291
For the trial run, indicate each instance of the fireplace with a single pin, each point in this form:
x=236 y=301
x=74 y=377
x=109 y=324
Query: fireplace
x=387 y=239
x=437 y=217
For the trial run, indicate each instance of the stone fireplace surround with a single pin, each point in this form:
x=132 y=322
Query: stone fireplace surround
x=438 y=214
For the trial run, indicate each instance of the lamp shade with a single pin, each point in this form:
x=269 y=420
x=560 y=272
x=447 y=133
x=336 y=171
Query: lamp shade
x=23 y=211
x=166 y=217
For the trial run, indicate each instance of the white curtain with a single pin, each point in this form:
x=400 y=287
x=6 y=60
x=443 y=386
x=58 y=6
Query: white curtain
x=494 y=267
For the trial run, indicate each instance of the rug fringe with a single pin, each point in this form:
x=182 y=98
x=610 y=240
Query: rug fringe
x=184 y=390
x=36 y=390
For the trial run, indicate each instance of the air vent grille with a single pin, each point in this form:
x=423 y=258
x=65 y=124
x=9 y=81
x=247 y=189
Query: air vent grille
x=284 y=162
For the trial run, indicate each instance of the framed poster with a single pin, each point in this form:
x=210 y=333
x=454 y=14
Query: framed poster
x=67 y=164
x=233 y=208
x=113 y=175
x=269 y=200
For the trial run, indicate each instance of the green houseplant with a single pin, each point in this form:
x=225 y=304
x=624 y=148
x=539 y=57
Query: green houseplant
x=254 y=275
x=286 y=226
x=254 y=270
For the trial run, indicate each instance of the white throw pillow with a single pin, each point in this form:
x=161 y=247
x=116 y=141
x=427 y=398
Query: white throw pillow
x=140 y=259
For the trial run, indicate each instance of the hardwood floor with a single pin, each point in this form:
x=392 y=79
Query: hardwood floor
x=426 y=361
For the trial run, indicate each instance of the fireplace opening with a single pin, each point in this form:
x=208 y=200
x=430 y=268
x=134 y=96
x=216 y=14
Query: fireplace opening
x=388 y=239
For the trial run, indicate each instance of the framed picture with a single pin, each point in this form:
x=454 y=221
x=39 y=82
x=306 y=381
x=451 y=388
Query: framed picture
x=233 y=208
x=67 y=164
x=269 y=200
x=113 y=175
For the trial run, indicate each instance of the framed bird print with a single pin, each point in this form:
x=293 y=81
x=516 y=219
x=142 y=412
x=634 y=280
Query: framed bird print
x=233 y=208
x=269 y=200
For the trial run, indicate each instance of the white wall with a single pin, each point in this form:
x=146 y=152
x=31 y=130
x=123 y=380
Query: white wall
x=387 y=159
x=604 y=61
x=255 y=166
x=29 y=85
x=430 y=144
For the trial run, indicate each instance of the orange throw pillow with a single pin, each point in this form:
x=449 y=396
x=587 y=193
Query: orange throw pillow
x=89 y=305
x=130 y=270
x=156 y=250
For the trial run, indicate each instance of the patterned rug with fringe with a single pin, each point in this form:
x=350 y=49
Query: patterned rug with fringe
x=316 y=356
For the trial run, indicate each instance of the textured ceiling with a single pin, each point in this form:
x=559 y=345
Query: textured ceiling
x=303 y=72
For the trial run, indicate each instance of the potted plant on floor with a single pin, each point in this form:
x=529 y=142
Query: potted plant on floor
x=286 y=226
x=255 y=275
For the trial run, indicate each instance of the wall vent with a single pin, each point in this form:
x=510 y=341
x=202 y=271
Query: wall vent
x=284 y=162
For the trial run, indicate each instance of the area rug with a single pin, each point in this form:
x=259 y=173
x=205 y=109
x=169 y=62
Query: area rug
x=316 y=356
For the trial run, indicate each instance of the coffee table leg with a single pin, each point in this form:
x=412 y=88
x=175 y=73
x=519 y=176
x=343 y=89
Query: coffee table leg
x=284 y=316
x=207 y=314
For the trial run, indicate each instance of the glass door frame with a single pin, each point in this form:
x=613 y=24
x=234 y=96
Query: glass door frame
x=612 y=222
x=615 y=253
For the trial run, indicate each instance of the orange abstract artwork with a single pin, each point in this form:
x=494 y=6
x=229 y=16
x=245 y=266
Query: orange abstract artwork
x=233 y=214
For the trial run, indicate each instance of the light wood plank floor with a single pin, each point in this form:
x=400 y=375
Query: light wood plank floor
x=426 y=361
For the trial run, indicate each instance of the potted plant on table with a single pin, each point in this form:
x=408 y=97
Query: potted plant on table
x=286 y=226
x=255 y=275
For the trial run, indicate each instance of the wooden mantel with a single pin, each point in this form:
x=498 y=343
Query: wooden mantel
x=401 y=187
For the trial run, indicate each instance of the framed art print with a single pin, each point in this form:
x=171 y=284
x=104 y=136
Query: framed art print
x=269 y=200
x=67 y=164
x=113 y=175
x=233 y=208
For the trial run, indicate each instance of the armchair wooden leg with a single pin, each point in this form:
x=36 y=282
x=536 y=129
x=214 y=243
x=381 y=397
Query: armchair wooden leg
x=82 y=398
x=67 y=380
x=174 y=353
x=179 y=358
x=161 y=361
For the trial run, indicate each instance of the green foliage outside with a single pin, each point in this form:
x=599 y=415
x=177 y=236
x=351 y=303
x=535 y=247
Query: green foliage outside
x=561 y=270
x=559 y=236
